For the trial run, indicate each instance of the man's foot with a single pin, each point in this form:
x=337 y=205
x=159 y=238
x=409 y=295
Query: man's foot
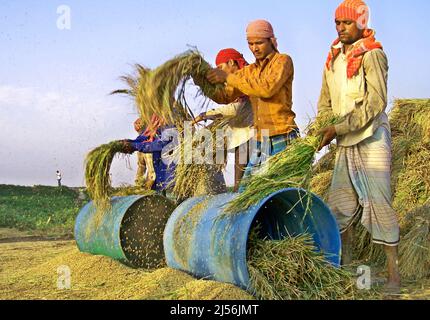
x=346 y=258
x=392 y=288
x=393 y=283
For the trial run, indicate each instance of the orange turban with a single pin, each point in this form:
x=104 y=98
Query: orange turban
x=355 y=10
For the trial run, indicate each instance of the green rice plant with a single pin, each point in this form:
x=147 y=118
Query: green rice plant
x=97 y=167
x=291 y=168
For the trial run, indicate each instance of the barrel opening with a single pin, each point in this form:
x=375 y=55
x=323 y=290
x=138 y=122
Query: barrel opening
x=141 y=231
x=280 y=216
x=293 y=212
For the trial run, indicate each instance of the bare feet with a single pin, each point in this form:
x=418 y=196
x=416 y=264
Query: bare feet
x=393 y=284
x=392 y=288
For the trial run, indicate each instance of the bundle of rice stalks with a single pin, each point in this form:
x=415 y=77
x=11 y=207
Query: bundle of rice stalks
x=97 y=167
x=320 y=184
x=160 y=88
x=196 y=179
x=133 y=81
x=410 y=126
x=162 y=91
x=291 y=168
x=414 y=248
x=292 y=269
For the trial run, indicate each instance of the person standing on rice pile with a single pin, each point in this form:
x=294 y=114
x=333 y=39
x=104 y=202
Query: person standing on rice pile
x=268 y=84
x=153 y=142
x=239 y=112
x=354 y=88
x=145 y=175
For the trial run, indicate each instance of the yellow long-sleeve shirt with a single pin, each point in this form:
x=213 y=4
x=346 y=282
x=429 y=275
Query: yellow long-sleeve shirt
x=269 y=86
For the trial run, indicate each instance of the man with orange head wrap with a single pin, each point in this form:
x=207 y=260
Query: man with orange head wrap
x=355 y=90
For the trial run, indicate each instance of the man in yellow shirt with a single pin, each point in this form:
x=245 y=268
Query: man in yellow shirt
x=268 y=84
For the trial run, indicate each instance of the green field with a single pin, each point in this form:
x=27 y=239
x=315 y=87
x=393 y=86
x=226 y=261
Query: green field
x=42 y=210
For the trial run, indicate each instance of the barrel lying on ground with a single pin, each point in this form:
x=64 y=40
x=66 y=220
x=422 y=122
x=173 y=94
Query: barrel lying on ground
x=131 y=231
x=203 y=240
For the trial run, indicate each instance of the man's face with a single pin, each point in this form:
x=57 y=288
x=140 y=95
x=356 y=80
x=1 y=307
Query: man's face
x=228 y=67
x=348 y=31
x=260 y=47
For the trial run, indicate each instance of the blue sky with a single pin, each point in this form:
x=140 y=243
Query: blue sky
x=54 y=84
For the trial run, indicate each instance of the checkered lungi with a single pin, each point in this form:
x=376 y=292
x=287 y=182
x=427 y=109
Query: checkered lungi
x=361 y=185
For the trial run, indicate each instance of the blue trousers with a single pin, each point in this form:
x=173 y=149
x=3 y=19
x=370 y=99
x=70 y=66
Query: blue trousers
x=266 y=149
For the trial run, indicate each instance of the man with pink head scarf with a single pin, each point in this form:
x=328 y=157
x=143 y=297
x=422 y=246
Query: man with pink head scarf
x=262 y=29
x=268 y=83
x=355 y=90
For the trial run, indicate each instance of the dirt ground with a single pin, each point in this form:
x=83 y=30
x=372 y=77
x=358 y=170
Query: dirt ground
x=29 y=270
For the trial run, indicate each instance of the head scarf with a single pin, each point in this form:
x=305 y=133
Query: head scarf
x=357 y=11
x=226 y=55
x=261 y=29
x=151 y=130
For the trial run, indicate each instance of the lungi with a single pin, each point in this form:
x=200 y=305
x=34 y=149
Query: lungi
x=361 y=185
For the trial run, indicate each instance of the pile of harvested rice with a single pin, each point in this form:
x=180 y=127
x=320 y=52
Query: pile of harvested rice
x=320 y=184
x=292 y=269
x=415 y=245
x=410 y=125
x=97 y=277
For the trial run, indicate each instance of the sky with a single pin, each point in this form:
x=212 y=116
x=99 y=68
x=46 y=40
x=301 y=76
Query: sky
x=55 y=78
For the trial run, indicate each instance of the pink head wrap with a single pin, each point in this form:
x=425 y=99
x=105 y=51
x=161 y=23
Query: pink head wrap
x=261 y=29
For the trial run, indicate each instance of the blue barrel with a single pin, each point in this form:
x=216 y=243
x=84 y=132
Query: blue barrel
x=201 y=240
x=131 y=232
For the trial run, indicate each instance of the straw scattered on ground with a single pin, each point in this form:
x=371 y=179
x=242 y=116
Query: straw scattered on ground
x=30 y=271
x=292 y=269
